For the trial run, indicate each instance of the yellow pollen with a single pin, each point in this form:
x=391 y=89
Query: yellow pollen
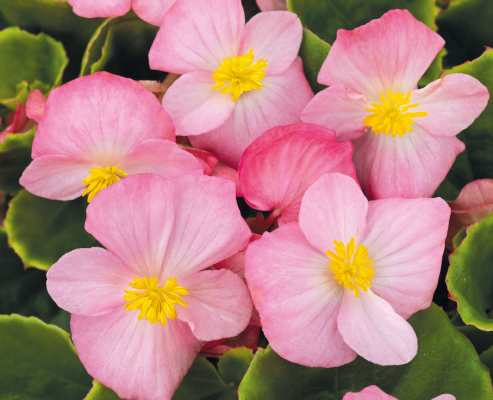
x=155 y=303
x=100 y=178
x=239 y=75
x=352 y=272
x=392 y=116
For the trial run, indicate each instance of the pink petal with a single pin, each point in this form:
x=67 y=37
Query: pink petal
x=277 y=168
x=444 y=397
x=35 y=105
x=297 y=298
x=160 y=157
x=194 y=106
x=89 y=281
x=19 y=119
x=389 y=53
x=275 y=37
x=208 y=226
x=405 y=238
x=333 y=208
x=369 y=393
x=206 y=159
x=410 y=166
x=338 y=108
x=152 y=11
x=55 y=177
x=272 y=5
x=196 y=35
x=452 y=104
x=219 y=304
x=223 y=170
x=257 y=111
x=100 y=8
x=248 y=338
x=99 y=118
x=371 y=328
x=134 y=358
x=133 y=219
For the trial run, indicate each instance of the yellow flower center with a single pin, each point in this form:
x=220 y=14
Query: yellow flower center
x=100 y=178
x=352 y=272
x=392 y=116
x=239 y=75
x=155 y=303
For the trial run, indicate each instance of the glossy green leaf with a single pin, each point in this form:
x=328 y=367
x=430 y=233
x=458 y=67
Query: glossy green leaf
x=16 y=140
x=41 y=230
x=470 y=276
x=38 y=361
x=313 y=51
x=12 y=164
x=446 y=363
x=28 y=62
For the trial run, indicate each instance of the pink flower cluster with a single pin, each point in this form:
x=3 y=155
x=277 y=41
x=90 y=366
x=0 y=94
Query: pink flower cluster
x=353 y=244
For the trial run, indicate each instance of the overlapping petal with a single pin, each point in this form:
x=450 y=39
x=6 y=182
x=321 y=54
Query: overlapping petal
x=152 y=11
x=100 y=8
x=272 y=5
x=369 y=393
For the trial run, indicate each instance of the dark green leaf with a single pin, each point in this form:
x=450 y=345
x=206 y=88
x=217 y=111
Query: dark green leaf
x=234 y=364
x=486 y=357
x=12 y=165
x=457 y=240
x=481 y=340
x=313 y=51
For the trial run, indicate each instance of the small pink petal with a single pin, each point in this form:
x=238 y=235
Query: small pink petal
x=274 y=37
x=371 y=328
x=369 y=393
x=35 y=105
x=197 y=35
x=444 y=397
x=248 y=339
x=333 y=208
x=389 y=53
x=152 y=11
x=100 y=8
x=206 y=159
x=223 y=170
x=89 y=282
x=219 y=304
x=272 y=5
x=297 y=298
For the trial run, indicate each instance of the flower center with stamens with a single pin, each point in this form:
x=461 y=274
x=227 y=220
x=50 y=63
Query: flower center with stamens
x=100 y=178
x=352 y=272
x=392 y=115
x=155 y=303
x=239 y=75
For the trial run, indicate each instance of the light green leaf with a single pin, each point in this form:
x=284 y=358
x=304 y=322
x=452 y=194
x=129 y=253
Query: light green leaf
x=313 y=51
x=101 y=392
x=16 y=140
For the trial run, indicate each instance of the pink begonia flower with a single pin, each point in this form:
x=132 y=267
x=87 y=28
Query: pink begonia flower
x=277 y=168
x=17 y=122
x=475 y=201
x=161 y=235
x=319 y=306
x=272 y=5
x=375 y=393
x=237 y=80
x=404 y=137
x=96 y=130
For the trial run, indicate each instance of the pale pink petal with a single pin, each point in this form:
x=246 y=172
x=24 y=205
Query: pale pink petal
x=287 y=160
x=369 y=393
x=56 y=177
x=99 y=118
x=410 y=166
x=206 y=159
x=272 y=5
x=333 y=208
x=257 y=111
x=405 y=239
x=223 y=170
x=133 y=219
x=35 y=105
x=208 y=226
x=194 y=106
x=219 y=304
x=196 y=35
x=161 y=157
x=89 y=281
x=152 y=11
x=338 y=108
x=452 y=104
x=297 y=298
x=371 y=328
x=389 y=53
x=135 y=359
x=444 y=397
x=274 y=37
x=100 y=8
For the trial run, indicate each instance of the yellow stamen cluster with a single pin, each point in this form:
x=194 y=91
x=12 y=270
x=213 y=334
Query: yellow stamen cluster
x=348 y=271
x=155 y=303
x=101 y=178
x=392 y=116
x=239 y=75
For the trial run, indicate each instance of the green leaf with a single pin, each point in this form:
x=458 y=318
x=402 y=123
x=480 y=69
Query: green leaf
x=42 y=230
x=476 y=161
x=313 y=51
x=461 y=235
x=12 y=165
x=234 y=364
x=481 y=340
x=16 y=140
x=486 y=357
x=22 y=291
x=470 y=276
x=446 y=363
x=466 y=27
x=434 y=70
x=38 y=361
x=28 y=62
x=101 y=392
